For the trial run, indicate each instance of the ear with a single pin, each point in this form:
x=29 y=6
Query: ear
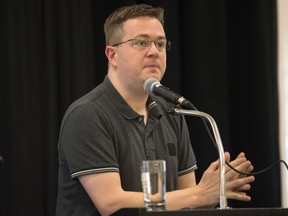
x=110 y=52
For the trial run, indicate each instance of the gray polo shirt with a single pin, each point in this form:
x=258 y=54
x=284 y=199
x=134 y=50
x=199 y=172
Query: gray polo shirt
x=101 y=133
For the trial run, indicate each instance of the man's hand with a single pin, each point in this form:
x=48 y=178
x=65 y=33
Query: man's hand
x=235 y=183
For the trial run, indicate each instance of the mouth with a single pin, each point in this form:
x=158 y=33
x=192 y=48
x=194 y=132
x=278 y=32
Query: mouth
x=152 y=66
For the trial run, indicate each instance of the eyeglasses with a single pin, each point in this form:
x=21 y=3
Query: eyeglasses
x=142 y=44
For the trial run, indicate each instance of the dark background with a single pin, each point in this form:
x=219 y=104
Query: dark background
x=223 y=59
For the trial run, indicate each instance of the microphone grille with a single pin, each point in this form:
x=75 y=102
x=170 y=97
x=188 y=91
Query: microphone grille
x=149 y=85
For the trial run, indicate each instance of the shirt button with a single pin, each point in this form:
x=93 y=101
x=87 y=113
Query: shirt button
x=140 y=119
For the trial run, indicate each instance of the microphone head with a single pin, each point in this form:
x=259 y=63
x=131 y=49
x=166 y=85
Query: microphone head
x=149 y=85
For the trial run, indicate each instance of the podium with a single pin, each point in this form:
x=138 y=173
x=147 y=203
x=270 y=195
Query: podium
x=207 y=212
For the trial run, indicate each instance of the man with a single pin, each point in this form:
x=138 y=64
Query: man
x=106 y=134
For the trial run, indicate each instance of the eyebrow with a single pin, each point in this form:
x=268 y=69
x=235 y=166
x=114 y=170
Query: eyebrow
x=147 y=36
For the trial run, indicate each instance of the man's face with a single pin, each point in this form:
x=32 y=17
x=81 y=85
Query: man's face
x=134 y=62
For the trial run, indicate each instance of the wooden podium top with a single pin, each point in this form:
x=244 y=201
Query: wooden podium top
x=207 y=212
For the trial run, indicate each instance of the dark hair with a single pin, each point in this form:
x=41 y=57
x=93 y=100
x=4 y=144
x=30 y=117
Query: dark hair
x=114 y=23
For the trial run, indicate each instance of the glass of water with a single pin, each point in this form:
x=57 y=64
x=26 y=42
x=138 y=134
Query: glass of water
x=153 y=177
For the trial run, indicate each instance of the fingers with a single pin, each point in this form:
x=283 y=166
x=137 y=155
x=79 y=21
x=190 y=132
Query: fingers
x=227 y=156
x=214 y=166
x=244 y=168
x=238 y=160
x=241 y=196
x=240 y=164
x=240 y=183
x=236 y=184
x=244 y=187
x=241 y=154
x=235 y=188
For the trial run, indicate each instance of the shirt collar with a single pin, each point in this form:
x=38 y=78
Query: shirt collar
x=120 y=104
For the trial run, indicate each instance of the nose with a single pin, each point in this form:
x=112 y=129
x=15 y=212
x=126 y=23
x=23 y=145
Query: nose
x=152 y=51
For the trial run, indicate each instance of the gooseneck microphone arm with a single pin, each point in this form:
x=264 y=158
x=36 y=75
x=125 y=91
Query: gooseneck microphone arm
x=223 y=199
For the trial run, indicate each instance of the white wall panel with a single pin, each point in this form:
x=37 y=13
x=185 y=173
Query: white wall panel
x=282 y=13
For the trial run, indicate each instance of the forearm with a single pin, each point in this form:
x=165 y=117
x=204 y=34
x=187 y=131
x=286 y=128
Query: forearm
x=105 y=191
x=120 y=200
x=188 y=198
x=175 y=200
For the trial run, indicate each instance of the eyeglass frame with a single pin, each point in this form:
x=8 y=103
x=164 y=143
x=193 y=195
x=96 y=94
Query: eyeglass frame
x=167 y=48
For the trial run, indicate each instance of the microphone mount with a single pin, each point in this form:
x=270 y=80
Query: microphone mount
x=222 y=190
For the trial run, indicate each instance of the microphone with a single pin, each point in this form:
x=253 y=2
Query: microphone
x=153 y=87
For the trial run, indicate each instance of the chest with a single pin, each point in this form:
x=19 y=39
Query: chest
x=135 y=142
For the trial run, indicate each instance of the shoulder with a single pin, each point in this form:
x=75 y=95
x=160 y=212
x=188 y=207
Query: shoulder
x=86 y=103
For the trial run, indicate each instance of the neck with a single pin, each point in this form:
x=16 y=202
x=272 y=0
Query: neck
x=134 y=96
x=137 y=103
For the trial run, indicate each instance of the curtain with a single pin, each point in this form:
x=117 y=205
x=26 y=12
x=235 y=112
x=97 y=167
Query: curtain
x=223 y=59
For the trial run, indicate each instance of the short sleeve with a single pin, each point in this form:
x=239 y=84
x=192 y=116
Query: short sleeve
x=86 y=142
